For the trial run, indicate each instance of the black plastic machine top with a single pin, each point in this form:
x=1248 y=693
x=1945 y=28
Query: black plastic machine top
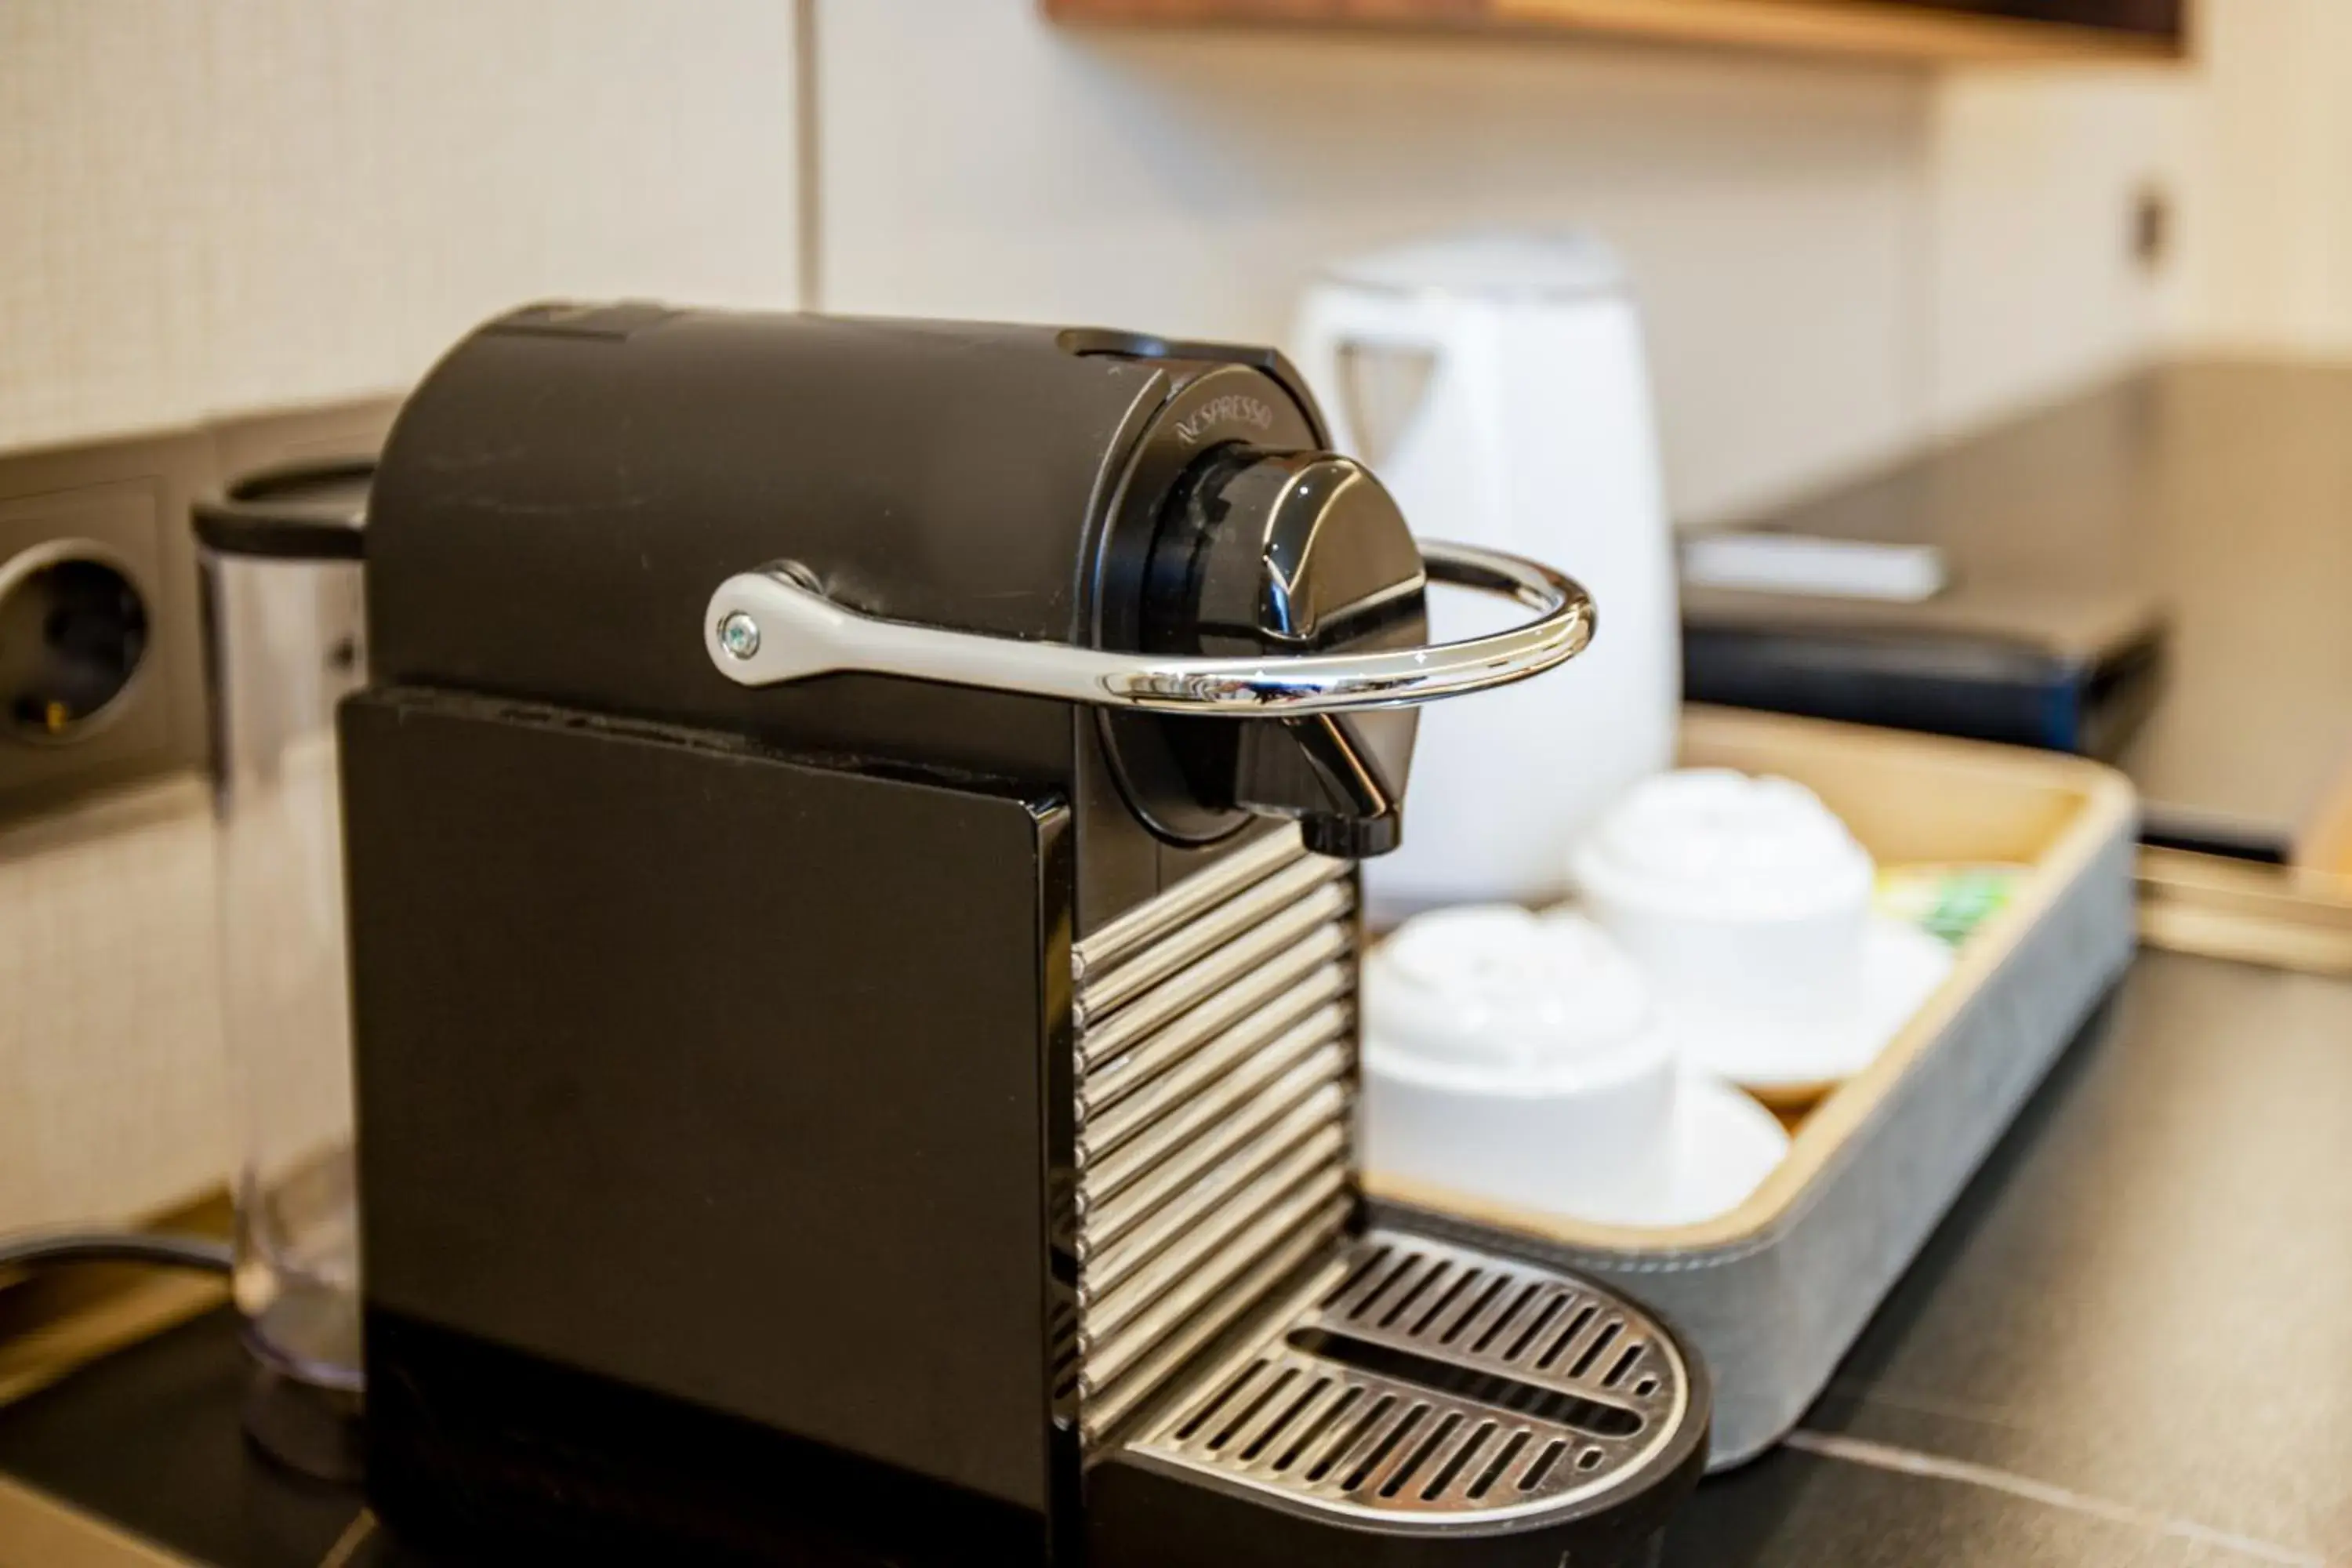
x=1080 y=492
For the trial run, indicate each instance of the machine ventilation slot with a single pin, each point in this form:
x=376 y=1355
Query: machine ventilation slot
x=1402 y=1477
x=1464 y=1280
x=1479 y=1303
x=1215 y=1085
x=1540 y=1472
x=1496 y=1466
x=1408 y=1377
x=1372 y=1259
x=1526 y=1336
x=1352 y=1435
x=1274 y=1387
x=1567 y=1336
x=1554 y=1406
x=1388 y=1444
x=1281 y=1423
x=1461 y=1459
x=1592 y=1352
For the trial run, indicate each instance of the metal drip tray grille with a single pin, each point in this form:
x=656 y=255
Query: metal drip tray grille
x=1415 y=1378
x=1214 y=1082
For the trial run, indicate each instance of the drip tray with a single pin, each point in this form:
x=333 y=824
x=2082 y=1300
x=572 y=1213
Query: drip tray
x=1416 y=1388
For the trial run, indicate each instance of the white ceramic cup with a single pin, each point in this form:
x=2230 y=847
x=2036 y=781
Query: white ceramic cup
x=1738 y=892
x=1518 y=1058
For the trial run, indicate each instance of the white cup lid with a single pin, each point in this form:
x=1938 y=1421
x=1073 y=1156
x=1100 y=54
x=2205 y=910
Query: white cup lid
x=1496 y=991
x=1719 y=844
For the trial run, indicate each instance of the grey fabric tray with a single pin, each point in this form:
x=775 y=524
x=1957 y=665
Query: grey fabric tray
x=1774 y=1309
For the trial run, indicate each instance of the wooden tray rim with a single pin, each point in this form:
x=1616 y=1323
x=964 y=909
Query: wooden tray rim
x=2104 y=804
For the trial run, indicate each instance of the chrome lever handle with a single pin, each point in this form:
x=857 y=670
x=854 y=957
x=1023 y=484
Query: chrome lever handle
x=764 y=628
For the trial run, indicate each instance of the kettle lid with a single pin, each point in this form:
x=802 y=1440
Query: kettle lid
x=1507 y=264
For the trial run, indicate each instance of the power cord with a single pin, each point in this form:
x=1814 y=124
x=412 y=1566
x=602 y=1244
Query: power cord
x=161 y=1248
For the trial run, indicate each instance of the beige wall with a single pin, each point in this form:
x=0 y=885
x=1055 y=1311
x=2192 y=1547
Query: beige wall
x=226 y=205
x=2270 y=131
x=2033 y=285
x=1838 y=262
x=246 y=203
x=2034 y=172
x=978 y=162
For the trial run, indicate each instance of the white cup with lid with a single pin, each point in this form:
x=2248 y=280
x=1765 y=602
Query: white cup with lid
x=1519 y=1058
x=1748 y=904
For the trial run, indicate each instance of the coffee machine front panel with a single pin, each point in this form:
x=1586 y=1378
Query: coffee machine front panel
x=850 y=858
x=638 y=1097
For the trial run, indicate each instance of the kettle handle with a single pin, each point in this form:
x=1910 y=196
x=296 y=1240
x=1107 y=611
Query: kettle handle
x=767 y=627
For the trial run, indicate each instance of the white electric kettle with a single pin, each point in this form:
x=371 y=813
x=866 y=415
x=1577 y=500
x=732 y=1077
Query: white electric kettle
x=1497 y=382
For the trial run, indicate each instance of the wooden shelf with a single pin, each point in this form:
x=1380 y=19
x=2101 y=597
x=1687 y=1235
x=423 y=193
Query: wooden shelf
x=1868 y=29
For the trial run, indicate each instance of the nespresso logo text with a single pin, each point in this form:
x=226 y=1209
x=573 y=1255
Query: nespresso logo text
x=1234 y=407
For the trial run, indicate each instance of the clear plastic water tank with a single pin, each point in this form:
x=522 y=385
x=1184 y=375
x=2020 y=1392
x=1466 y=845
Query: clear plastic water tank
x=285 y=639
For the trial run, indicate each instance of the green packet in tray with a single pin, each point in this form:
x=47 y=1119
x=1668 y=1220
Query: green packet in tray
x=1948 y=901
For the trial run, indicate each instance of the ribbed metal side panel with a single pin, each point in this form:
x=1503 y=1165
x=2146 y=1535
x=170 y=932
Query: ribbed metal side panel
x=1215 y=1096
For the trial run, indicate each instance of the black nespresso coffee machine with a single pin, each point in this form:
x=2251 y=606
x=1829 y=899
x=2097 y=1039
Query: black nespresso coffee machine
x=851 y=845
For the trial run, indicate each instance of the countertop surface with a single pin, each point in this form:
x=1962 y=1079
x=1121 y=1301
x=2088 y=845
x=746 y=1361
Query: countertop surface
x=2224 y=490
x=2126 y=1344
